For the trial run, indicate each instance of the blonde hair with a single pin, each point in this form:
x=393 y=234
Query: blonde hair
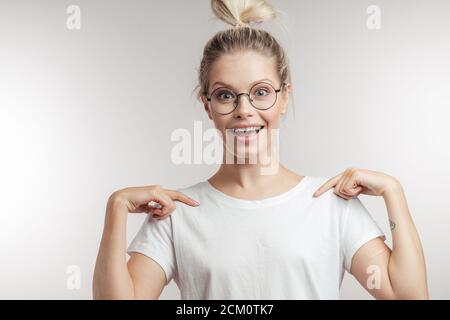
x=242 y=15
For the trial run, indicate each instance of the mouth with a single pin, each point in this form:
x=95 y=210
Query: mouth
x=246 y=134
x=248 y=131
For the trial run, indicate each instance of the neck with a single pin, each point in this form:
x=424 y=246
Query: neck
x=248 y=176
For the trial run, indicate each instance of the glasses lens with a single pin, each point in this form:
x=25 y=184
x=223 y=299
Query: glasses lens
x=263 y=96
x=222 y=100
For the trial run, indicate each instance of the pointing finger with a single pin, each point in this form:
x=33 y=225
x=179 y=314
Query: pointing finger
x=327 y=185
x=176 y=195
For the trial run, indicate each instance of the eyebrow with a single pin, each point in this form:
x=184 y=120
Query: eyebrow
x=228 y=85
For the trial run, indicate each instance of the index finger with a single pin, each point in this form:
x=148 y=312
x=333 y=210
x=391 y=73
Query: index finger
x=176 y=195
x=327 y=185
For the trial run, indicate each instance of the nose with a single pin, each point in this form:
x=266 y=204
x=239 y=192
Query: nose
x=243 y=108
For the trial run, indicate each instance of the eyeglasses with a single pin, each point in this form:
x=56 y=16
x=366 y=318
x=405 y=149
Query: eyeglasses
x=262 y=96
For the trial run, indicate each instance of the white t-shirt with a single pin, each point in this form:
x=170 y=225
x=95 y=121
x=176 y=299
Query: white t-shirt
x=290 y=246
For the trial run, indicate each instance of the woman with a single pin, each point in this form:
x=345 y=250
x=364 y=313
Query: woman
x=257 y=230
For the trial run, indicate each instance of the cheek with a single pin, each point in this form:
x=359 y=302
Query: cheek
x=219 y=124
x=271 y=117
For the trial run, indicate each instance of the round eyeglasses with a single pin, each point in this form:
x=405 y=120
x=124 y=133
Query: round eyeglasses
x=262 y=96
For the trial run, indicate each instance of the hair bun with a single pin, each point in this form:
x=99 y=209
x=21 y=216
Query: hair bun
x=243 y=12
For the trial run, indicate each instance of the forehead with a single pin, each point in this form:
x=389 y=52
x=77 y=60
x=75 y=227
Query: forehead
x=238 y=70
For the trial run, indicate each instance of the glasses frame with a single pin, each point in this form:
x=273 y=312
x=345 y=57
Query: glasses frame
x=236 y=99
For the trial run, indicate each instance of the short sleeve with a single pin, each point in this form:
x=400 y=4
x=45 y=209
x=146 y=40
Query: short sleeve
x=155 y=240
x=359 y=227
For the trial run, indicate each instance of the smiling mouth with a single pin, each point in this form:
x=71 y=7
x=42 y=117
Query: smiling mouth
x=244 y=132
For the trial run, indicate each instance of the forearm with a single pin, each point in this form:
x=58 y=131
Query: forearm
x=112 y=279
x=406 y=268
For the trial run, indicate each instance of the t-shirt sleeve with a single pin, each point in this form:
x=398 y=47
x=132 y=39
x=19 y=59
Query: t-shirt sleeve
x=155 y=240
x=359 y=227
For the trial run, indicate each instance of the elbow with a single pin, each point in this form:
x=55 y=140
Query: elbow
x=413 y=295
x=422 y=295
x=110 y=293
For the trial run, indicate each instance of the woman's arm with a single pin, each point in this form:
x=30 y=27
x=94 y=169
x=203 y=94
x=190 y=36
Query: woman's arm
x=111 y=277
x=401 y=270
x=386 y=274
x=114 y=278
x=141 y=277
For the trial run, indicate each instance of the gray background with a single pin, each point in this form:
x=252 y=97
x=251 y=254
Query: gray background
x=86 y=112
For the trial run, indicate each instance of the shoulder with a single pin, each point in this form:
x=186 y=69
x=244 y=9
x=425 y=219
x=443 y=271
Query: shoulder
x=193 y=190
x=329 y=197
x=315 y=182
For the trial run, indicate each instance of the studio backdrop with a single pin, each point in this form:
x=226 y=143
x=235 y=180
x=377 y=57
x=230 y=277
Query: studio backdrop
x=91 y=93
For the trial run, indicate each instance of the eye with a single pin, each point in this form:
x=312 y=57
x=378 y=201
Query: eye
x=261 y=92
x=225 y=95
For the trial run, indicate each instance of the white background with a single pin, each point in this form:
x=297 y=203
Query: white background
x=86 y=112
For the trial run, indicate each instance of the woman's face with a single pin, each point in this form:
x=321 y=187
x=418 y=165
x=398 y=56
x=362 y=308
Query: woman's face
x=239 y=72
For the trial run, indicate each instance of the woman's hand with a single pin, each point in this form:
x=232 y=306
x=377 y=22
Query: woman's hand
x=136 y=200
x=354 y=181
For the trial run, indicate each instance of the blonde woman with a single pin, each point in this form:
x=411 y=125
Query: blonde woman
x=246 y=234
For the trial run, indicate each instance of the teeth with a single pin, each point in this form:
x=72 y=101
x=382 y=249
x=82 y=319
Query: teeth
x=238 y=130
x=245 y=131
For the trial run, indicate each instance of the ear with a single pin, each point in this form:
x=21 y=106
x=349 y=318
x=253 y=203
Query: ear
x=206 y=106
x=285 y=96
